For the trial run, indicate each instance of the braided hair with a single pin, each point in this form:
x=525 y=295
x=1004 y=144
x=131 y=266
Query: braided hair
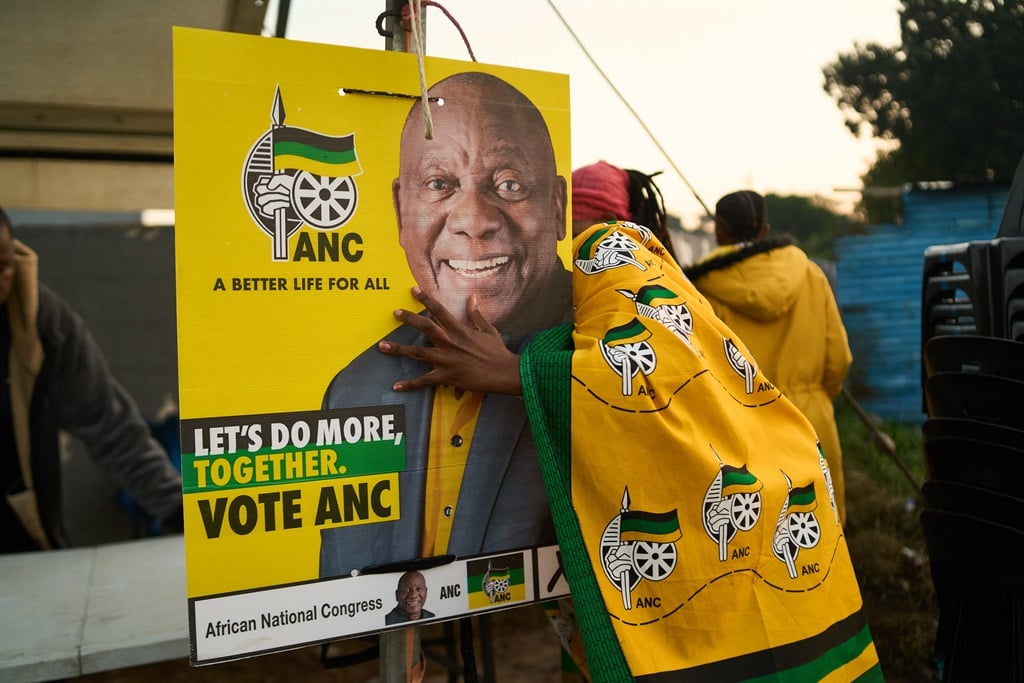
x=648 y=206
x=740 y=215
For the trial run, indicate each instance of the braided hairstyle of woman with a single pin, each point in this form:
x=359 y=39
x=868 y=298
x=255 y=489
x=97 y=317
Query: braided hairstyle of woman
x=740 y=217
x=648 y=206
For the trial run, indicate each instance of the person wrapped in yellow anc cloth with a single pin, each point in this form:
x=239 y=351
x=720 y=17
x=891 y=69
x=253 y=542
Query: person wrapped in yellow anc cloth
x=691 y=500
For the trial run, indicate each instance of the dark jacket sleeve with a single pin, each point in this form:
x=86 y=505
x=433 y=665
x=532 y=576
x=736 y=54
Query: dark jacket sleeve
x=92 y=406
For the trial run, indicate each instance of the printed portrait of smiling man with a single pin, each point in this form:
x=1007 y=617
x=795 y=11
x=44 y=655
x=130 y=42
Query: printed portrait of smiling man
x=410 y=596
x=480 y=208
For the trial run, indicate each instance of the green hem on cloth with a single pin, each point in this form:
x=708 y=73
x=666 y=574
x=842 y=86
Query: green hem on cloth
x=546 y=370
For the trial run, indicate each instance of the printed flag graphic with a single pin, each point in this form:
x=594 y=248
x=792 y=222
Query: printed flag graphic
x=498 y=580
x=588 y=250
x=802 y=499
x=651 y=293
x=323 y=155
x=630 y=333
x=654 y=527
x=738 y=480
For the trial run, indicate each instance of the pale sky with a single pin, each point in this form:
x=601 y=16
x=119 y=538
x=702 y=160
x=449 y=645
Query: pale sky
x=731 y=89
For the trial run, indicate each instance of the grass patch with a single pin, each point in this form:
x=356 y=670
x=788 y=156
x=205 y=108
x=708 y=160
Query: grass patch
x=888 y=551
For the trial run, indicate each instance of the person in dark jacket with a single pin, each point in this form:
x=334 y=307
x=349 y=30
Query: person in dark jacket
x=56 y=378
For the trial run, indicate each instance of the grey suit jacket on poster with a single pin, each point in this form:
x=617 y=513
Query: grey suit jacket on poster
x=502 y=503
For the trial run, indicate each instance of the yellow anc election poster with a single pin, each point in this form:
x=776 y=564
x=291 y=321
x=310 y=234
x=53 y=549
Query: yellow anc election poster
x=315 y=185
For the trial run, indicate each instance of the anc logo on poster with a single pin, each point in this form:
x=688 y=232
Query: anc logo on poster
x=293 y=176
x=496 y=580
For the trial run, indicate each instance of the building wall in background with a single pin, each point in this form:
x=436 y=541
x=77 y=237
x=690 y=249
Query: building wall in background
x=879 y=277
x=86 y=132
x=86 y=109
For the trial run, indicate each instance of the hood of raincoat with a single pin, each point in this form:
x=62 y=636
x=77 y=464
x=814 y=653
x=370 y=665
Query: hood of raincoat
x=761 y=280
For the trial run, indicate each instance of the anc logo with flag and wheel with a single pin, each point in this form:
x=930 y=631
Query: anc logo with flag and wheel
x=293 y=176
x=797 y=526
x=732 y=503
x=626 y=349
x=639 y=545
x=674 y=316
x=608 y=248
x=496 y=580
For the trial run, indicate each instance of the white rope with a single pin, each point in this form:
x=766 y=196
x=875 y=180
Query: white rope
x=415 y=11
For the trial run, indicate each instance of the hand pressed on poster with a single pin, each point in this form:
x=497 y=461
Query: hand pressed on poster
x=469 y=354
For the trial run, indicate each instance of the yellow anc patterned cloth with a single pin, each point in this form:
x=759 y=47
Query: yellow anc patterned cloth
x=693 y=506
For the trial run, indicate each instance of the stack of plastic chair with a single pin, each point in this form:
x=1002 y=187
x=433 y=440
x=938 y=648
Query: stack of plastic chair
x=955 y=296
x=973 y=521
x=947 y=291
x=1007 y=282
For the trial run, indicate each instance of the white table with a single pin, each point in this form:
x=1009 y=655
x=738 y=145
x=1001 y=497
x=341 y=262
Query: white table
x=68 y=613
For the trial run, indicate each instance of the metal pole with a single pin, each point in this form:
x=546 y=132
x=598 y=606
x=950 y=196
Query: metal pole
x=398 y=38
x=396 y=647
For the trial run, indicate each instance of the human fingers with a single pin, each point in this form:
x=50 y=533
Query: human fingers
x=441 y=314
x=429 y=327
x=476 y=318
x=421 y=382
x=425 y=354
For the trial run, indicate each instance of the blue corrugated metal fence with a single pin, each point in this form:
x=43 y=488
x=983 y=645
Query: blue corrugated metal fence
x=879 y=277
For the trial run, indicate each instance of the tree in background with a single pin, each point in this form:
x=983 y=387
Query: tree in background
x=951 y=95
x=812 y=221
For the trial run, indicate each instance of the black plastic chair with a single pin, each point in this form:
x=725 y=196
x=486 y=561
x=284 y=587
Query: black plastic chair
x=975 y=501
x=975 y=463
x=1012 y=223
x=987 y=398
x=964 y=428
x=972 y=353
x=978 y=570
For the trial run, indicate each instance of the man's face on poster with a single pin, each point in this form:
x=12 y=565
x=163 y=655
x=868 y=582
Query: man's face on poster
x=480 y=206
x=411 y=594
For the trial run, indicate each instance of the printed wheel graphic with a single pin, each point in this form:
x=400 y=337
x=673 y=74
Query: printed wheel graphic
x=803 y=529
x=654 y=561
x=677 y=317
x=618 y=241
x=641 y=355
x=745 y=509
x=323 y=202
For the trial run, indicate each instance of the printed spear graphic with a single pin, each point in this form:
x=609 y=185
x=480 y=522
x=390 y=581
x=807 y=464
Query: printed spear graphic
x=280 y=214
x=624 y=586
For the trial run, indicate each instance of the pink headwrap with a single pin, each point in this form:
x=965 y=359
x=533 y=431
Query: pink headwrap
x=600 y=190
